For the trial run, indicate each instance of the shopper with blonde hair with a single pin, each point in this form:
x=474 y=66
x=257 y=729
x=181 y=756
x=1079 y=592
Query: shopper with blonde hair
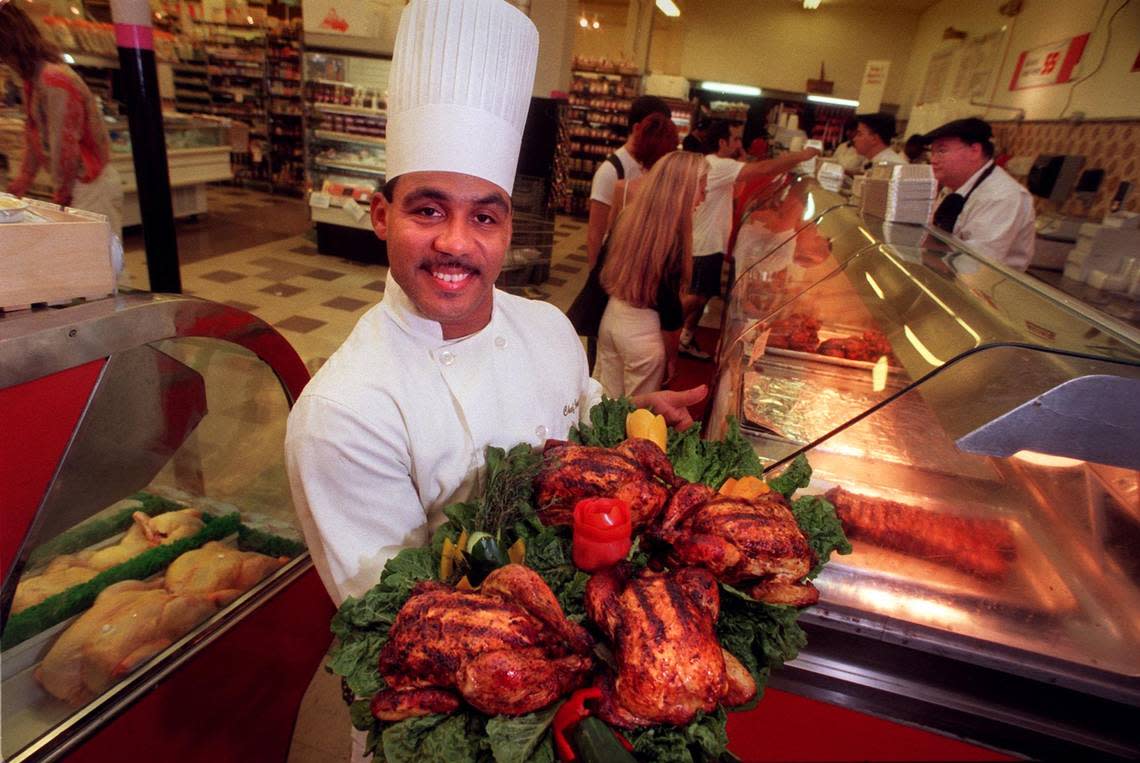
x=649 y=258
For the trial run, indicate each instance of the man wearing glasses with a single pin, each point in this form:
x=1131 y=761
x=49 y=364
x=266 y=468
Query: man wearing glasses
x=985 y=207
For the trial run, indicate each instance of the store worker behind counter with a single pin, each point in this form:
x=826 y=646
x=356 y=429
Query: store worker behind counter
x=872 y=139
x=393 y=428
x=64 y=130
x=982 y=205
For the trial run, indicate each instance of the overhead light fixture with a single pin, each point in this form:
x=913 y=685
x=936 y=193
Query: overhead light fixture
x=669 y=8
x=730 y=89
x=597 y=24
x=582 y=22
x=811 y=5
x=833 y=101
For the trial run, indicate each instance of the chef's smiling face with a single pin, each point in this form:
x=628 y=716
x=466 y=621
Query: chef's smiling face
x=447 y=236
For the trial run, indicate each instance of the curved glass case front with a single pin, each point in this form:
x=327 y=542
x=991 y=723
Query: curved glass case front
x=978 y=432
x=169 y=513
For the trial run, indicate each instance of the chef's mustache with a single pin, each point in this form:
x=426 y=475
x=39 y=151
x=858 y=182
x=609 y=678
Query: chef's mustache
x=451 y=261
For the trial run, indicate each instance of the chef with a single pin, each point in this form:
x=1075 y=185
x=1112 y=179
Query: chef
x=394 y=426
x=982 y=204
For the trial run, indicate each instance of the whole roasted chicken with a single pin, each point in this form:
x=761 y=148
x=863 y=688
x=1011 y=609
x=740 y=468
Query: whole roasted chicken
x=670 y=665
x=636 y=471
x=755 y=544
x=506 y=649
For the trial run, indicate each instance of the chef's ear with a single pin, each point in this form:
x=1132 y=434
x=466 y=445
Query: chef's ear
x=380 y=208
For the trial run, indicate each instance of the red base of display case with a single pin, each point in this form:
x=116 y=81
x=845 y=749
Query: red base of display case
x=790 y=727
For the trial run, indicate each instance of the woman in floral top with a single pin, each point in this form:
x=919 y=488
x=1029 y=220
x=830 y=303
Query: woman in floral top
x=64 y=132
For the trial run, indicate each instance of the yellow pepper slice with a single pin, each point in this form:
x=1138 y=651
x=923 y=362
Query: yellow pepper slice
x=642 y=423
x=517 y=552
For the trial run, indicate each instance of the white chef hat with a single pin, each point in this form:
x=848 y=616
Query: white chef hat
x=459 y=89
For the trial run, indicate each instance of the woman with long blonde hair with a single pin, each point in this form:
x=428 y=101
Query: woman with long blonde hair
x=648 y=260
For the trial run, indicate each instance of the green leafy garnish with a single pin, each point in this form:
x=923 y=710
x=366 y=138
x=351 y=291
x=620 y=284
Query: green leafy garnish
x=711 y=462
x=522 y=738
x=607 y=423
x=705 y=738
x=796 y=476
x=820 y=524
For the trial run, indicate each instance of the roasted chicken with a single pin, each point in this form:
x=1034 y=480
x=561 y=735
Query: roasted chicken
x=506 y=649
x=67 y=570
x=636 y=471
x=979 y=546
x=754 y=544
x=796 y=332
x=670 y=665
x=869 y=347
x=219 y=572
x=128 y=624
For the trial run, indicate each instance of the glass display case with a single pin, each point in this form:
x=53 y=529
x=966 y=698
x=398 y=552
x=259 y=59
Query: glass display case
x=198 y=149
x=979 y=435
x=182 y=131
x=148 y=519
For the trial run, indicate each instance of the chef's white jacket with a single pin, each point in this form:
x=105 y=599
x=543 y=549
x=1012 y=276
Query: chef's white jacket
x=393 y=428
x=998 y=220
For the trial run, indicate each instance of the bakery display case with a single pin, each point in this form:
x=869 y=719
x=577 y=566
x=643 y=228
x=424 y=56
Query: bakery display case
x=979 y=435
x=151 y=553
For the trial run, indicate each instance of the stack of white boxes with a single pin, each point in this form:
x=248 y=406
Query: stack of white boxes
x=1107 y=255
x=901 y=193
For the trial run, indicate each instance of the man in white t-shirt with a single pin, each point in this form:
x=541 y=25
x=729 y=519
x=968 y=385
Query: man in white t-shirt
x=712 y=222
x=607 y=174
x=872 y=139
x=986 y=207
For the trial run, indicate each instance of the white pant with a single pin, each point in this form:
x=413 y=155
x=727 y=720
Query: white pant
x=631 y=351
x=104 y=196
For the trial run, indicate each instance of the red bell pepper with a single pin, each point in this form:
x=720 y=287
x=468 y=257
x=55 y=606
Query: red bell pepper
x=573 y=710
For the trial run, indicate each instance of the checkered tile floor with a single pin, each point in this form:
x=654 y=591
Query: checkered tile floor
x=255 y=252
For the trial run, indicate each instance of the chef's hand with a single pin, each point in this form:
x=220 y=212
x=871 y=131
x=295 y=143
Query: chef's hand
x=673 y=404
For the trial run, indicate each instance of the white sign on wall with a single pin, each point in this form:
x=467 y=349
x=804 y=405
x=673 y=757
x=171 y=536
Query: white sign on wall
x=871 y=89
x=376 y=19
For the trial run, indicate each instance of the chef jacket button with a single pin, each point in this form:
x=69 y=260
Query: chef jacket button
x=447 y=357
x=500 y=342
x=541 y=432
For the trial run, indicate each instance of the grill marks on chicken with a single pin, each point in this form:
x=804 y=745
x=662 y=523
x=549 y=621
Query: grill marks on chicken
x=753 y=542
x=670 y=665
x=507 y=649
x=636 y=471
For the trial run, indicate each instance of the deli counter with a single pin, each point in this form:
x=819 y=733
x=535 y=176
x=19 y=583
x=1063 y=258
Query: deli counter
x=979 y=435
x=153 y=567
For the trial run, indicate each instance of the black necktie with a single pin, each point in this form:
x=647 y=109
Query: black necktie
x=947 y=213
x=951 y=207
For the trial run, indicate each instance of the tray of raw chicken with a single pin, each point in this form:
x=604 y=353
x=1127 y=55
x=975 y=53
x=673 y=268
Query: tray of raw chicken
x=98 y=601
x=493 y=643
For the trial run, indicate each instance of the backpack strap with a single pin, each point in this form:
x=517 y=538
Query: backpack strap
x=613 y=159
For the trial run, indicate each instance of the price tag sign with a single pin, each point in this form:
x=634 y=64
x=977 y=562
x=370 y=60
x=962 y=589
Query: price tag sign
x=319 y=200
x=354 y=210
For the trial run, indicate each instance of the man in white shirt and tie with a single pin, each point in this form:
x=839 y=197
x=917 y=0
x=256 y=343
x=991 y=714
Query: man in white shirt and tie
x=985 y=207
x=872 y=139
